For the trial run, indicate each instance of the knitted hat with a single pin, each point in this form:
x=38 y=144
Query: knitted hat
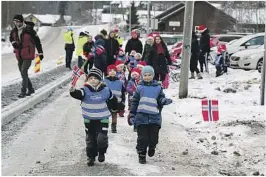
x=116 y=30
x=18 y=17
x=110 y=67
x=147 y=69
x=150 y=36
x=96 y=73
x=138 y=55
x=202 y=28
x=104 y=32
x=135 y=71
x=118 y=63
x=142 y=63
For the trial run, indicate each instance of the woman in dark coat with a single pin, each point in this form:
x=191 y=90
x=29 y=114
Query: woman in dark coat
x=159 y=58
x=86 y=50
x=194 y=57
x=147 y=48
x=112 y=48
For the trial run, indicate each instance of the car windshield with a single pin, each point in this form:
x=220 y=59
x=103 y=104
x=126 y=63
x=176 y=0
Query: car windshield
x=171 y=40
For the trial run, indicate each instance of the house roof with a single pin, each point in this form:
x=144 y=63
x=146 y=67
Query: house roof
x=169 y=10
x=181 y=6
x=47 y=18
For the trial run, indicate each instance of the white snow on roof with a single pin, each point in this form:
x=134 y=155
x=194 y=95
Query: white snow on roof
x=248 y=16
x=48 y=18
x=217 y=5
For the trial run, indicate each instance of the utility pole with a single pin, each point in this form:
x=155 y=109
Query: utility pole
x=149 y=15
x=263 y=73
x=186 y=51
x=110 y=15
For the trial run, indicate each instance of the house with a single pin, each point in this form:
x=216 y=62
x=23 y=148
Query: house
x=44 y=20
x=172 y=19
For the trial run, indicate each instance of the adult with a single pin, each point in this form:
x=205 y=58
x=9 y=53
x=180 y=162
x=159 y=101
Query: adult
x=147 y=48
x=105 y=37
x=204 y=46
x=159 y=58
x=112 y=48
x=118 y=38
x=194 y=57
x=24 y=40
x=134 y=43
x=86 y=50
x=98 y=53
x=83 y=38
x=69 y=46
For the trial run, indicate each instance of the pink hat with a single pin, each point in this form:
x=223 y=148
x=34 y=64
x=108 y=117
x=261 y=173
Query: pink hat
x=118 y=63
x=142 y=63
x=150 y=36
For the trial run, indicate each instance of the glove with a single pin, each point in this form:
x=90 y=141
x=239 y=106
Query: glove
x=131 y=119
x=166 y=101
x=15 y=45
x=41 y=56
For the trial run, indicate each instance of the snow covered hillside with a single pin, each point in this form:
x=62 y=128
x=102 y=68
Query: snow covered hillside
x=187 y=146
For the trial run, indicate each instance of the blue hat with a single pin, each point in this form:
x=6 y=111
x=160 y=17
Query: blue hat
x=147 y=69
x=69 y=28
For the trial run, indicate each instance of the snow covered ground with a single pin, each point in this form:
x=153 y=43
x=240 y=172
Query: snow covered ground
x=235 y=145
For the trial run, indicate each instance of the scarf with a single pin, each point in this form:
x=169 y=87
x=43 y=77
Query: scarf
x=159 y=48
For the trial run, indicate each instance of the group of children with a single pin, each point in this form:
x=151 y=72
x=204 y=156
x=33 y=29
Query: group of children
x=104 y=98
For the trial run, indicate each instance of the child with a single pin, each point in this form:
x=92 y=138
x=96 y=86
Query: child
x=94 y=96
x=145 y=112
x=141 y=64
x=121 y=55
x=131 y=87
x=120 y=74
x=220 y=62
x=117 y=88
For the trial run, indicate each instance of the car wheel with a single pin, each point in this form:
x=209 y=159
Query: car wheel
x=259 y=65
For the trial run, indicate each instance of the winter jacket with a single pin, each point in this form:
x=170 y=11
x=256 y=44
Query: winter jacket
x=122 y=58
x=134 y=44
x=26 y=43
x=194 y=48
x=205 y=42
x=112 y=49
x=95 y=102
x=69 y=40
x=131 y=88
x=132 y=62
x=87 y=47
x=122 y=77
x=146 y=105
x=146 y=53
x=117 y=88
x=159 y=62
x=81 y=41
x=99 y=55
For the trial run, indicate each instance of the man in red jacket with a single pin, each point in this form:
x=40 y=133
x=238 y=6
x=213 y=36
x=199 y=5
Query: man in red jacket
x=24 y=40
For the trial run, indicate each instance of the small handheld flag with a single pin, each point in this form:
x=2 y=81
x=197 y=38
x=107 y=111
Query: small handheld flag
x=37 y=66
x=210 y=111
x=76 y=74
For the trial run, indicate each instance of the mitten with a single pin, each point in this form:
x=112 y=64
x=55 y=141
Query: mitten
x=131 y=119
x=166 y=101
x=41 y=56
x=99 y=50
x=15 y=45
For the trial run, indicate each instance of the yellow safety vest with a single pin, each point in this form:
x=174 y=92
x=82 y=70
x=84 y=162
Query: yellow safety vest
x=81 y=41
x=119 y=40
x=68 y=37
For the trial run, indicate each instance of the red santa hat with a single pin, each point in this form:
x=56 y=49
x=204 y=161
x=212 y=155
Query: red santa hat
x=155 y=34
x=110 y=67
x=202 y=28
x=150 y=36
x=142 y=63
x=119 y=63
x=116 y=30
x=134 y=32
x=135 y=71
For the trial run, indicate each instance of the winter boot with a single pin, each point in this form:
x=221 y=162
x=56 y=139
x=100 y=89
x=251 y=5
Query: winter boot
x=30 y=91
x=90 y=161
x=135 y=128
x=199 y=76
x=113 y=128
x=22 y=94
x=151 y=152
x=142 y=159
x=101 y=158
x=192 y=75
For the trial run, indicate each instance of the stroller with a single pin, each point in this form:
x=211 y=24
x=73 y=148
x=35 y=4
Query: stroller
x=221 y=60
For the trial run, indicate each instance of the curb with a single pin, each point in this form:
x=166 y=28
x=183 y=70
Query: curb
x=15 y=109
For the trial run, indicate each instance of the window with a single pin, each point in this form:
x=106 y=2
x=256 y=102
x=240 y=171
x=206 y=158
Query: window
x=228 y=38
x=256 y=41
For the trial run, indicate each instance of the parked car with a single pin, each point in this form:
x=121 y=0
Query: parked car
x=170 y=39
x=223 y=39
x=247 y=42
x=248 y=59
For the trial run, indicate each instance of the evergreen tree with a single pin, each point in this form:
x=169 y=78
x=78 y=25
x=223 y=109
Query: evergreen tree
x=62 y=8
x=134 y=17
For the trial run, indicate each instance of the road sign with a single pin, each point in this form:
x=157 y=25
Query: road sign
x=174 y=23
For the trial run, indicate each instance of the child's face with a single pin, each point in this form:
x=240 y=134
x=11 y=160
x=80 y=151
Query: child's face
x=133 y=53
x=135 y=76
x=120 y=68
x=92 y=80
x=112 y=73
x=140 y=67
x=137 y=57
x=147 y=77
x=121 y=53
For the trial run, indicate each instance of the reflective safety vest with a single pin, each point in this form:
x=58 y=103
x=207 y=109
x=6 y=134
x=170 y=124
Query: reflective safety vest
x=119 y=40
x=148 y=99
x=81 y=41
x=115 y=87
x=68 y=37
x=94 y=106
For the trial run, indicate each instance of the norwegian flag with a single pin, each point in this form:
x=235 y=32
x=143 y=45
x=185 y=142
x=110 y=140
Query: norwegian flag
x=77 y=72
x=210 y=110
